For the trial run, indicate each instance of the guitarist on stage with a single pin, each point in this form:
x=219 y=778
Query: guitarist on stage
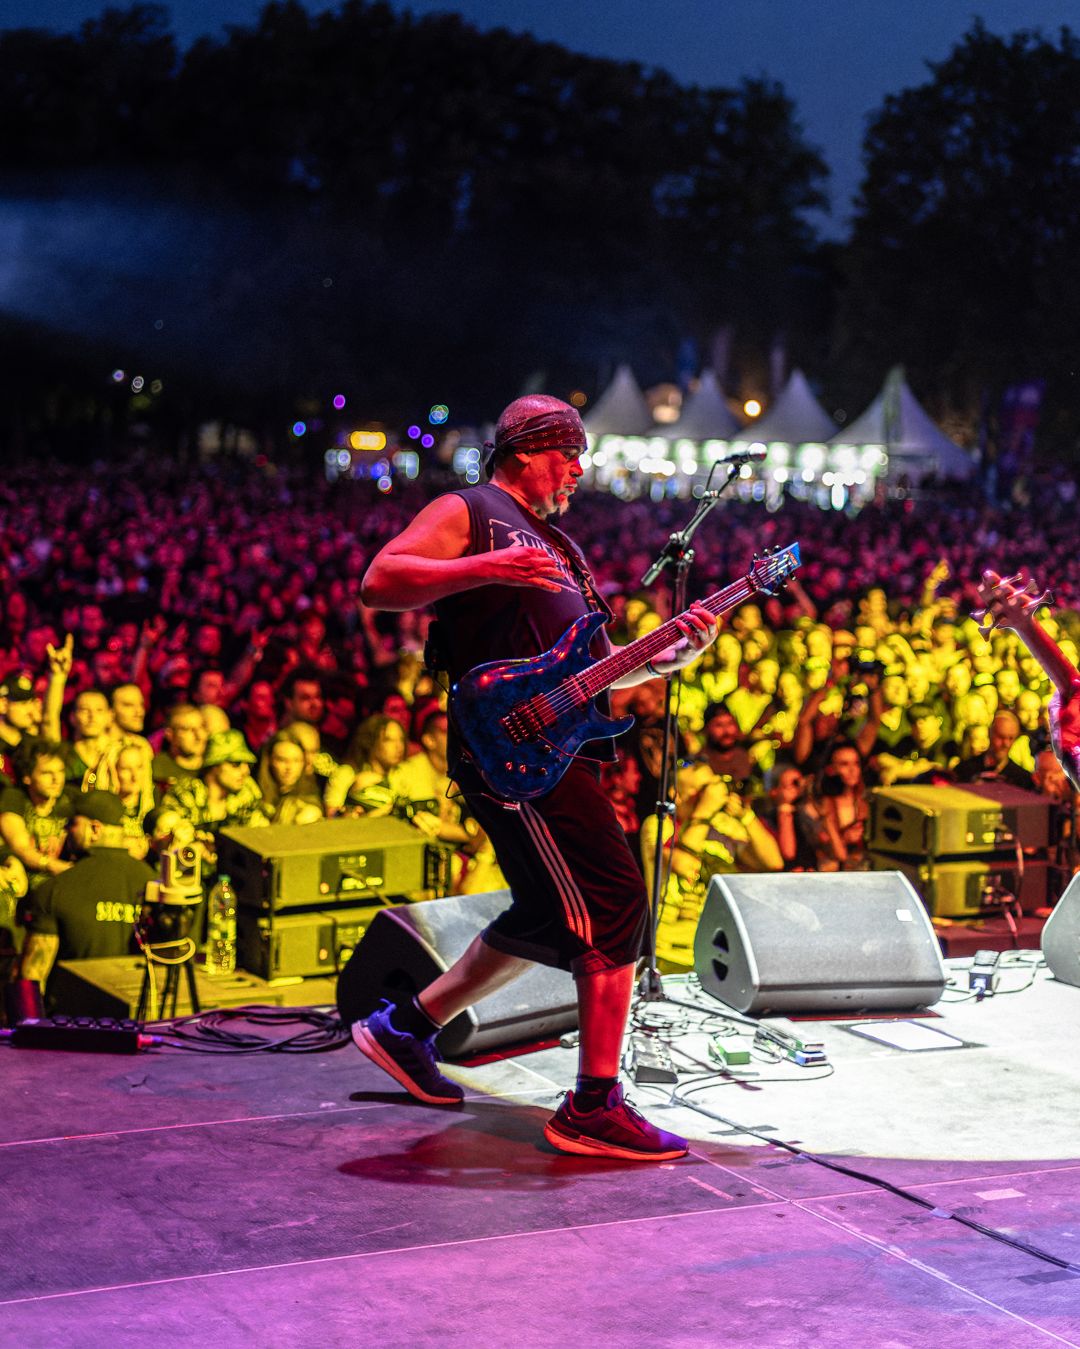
x=506 y=583
x=1013 y=606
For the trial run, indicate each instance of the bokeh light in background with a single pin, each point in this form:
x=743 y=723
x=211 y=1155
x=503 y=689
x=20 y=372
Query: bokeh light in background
x=368 y=440
x=339 y=401
x=298 y=429
x=438 y=414
x=467 y=462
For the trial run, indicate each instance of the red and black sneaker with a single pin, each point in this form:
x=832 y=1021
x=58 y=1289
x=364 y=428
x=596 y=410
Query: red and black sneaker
x=614 y=1129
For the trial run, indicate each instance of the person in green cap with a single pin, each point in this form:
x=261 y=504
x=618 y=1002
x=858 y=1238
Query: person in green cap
x=223 y=794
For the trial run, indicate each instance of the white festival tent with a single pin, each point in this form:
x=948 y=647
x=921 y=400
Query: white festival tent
x=796 y=417
x=897 y=423
x=705 y=414
x=621 y=410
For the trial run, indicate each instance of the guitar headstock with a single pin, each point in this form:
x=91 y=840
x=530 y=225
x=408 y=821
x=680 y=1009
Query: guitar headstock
x=1011 y=602
x=773 y=568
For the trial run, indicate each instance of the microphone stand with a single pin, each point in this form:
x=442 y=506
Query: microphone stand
x=678 y=554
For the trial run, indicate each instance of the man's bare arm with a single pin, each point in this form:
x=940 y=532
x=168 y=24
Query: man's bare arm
x=428 y=560
x=14 y=833
x=38 y=954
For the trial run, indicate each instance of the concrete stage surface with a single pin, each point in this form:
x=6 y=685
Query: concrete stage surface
x=173 y=1198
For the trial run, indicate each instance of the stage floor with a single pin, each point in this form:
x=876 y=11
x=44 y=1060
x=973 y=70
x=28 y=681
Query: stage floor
x=174 y=1198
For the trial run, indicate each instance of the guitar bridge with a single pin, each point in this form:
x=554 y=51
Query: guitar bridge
x=528 y=721
x=514 y=726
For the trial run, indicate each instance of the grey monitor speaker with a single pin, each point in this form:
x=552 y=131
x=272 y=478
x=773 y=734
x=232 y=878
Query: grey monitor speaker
x=1061 y=936
x=404 y=948
x=818 y=942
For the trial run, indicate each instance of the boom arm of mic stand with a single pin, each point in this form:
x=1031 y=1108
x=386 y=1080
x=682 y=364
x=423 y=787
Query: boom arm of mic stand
x=677 y=548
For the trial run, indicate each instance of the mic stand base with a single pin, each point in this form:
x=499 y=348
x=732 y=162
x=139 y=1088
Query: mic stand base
x=649 y=986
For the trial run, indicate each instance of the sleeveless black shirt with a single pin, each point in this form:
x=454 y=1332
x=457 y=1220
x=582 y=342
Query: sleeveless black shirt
x=500 y=622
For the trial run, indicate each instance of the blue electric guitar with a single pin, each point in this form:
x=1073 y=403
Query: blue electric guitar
x=522 y=721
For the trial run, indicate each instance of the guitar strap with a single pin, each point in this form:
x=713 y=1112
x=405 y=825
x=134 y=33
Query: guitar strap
x=580 y=570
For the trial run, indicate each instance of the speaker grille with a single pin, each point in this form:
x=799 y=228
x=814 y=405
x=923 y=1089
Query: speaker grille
x=406 y=947
x=817 y=941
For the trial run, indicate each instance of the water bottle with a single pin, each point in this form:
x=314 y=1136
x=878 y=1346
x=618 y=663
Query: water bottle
x=221 y=928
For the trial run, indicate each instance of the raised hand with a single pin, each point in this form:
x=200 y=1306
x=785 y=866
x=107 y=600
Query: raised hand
x=153 y=629
x=60 y=657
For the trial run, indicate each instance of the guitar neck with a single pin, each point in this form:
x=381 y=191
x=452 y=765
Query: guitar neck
x=1059 y=669
x=629 y=658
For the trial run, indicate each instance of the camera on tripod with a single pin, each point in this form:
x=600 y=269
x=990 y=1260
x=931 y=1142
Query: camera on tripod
x=181 y=871
x=171 y=900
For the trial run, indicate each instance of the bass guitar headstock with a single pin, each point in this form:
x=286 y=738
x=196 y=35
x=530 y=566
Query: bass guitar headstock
x=772 y=569
x=1010 y=602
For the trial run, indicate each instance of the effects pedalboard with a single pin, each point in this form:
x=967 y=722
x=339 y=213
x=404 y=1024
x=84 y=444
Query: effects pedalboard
x=984 y=974
x=650 y=1061
x=783 y=1038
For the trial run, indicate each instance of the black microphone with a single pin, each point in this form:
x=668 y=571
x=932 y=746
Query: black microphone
x=748 y=454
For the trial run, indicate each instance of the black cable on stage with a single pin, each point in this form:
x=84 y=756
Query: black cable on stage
x=683 y=1095
x=729 y=1014
x=992 y=1232
x=208 y=1033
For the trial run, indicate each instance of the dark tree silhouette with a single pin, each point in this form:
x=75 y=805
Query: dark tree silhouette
x=965 y=257
x=428 y=206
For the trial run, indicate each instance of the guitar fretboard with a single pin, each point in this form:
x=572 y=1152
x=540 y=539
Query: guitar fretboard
x=632 y=657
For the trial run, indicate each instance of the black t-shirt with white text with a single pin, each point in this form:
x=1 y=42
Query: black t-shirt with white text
x=93 y=907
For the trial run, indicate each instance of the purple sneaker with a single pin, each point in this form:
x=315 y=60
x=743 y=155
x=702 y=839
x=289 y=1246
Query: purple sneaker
x=408 y=1060
x=615 y=1129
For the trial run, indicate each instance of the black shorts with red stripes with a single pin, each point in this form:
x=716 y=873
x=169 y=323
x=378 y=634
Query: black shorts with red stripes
x=579 y=901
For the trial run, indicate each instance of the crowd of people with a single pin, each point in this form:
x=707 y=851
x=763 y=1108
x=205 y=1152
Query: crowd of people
x=184 y=650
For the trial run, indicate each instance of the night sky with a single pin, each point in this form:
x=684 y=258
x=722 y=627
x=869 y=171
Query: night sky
x=837 y=59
